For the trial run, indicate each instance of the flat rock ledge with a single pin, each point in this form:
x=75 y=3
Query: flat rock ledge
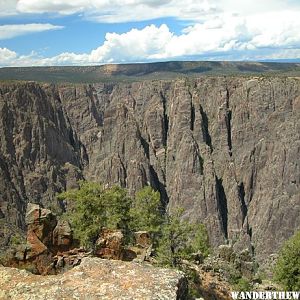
x=95 y=278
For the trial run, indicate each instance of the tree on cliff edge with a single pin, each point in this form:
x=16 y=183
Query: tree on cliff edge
x=147 y=211
x=94 y=207
x=287 y=270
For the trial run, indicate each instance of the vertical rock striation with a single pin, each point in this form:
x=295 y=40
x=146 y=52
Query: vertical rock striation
x=226 y=149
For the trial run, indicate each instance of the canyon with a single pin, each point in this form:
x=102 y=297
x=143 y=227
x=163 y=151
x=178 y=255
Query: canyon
x=224 y=148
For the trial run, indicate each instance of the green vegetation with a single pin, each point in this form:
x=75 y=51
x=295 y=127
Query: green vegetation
x=287 y=270
x=16 y=239
x=95 y=207
x=200 y=242
x=242 y=284
x=147 y=211
x=179 y=239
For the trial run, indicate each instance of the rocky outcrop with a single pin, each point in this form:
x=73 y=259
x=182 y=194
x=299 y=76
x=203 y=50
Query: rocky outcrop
x=51 y=249
x=46 y=237
x=226 y=149
x=96 y=279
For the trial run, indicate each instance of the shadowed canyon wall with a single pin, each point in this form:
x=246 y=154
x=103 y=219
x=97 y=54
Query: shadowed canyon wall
x=226 y=149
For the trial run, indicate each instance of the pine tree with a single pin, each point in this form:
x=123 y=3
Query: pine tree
x=287 y=270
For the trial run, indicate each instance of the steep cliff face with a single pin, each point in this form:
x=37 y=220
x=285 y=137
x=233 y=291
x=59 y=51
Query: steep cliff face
x=224 y=148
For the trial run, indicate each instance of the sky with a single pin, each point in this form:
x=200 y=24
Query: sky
x=95 y=32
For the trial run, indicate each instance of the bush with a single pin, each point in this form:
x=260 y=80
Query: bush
x=287 y=269
x=200 y=240
x=147 y=211
x=179 y=239
x=16 y=239
x=242 y=284
x=95 y=207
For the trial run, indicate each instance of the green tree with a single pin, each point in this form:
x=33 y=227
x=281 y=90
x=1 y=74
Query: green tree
x=287 y=269
x=94 y=207
x=117 y=204
x=147 y=211
x=200 y=240
x=173 y=244
x=179 y=239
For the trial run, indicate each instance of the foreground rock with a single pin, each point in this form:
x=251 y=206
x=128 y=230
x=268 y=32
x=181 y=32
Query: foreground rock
x=95 y=279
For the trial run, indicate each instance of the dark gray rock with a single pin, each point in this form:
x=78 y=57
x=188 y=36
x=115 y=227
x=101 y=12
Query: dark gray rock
x=226 y=149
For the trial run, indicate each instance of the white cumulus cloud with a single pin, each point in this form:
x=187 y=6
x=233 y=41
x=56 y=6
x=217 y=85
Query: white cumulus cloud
x=267 y=35
x=7 y=56
x=11 y=31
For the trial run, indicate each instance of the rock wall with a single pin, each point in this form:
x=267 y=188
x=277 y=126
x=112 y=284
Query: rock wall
x=224 y=148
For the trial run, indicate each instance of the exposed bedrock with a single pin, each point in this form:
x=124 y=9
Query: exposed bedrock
x=226 y=149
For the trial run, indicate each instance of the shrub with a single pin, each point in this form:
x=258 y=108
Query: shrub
x=242 y=284
x=287 y=269
x=147 y=211
x=95 y=207
x=200 y=240
x=179 y=239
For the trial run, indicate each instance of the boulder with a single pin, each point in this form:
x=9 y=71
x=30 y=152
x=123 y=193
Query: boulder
x=142 y=239
x=62 y=236
x=45 y=238
x=110 y=244
x=67 y=260
x=40 y=223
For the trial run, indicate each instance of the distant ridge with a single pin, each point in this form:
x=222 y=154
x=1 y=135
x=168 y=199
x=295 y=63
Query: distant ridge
x=142 y=71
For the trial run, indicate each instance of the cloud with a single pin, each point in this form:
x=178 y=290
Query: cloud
x=267 y=35
x=49 y=6
x=135 y=45
x=8 y=7
x=112 y=11
x=11 y=31
x=220 y=35
x=7 y=56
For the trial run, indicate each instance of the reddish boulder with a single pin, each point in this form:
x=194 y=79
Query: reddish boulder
x=110 y=244
x=62 y=236
x=40 y=223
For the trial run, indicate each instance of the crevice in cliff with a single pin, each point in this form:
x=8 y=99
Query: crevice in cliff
x=72 y=140
x=158 y=185
x=228 y=118
x=166 y=119
x=192 y=125
x=145 y=146
x=241 y=193
x=222 y=203
x=204 y=127
x=124 y=182
x=84 y=154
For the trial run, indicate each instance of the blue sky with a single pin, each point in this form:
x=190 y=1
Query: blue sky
x=93 y=32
